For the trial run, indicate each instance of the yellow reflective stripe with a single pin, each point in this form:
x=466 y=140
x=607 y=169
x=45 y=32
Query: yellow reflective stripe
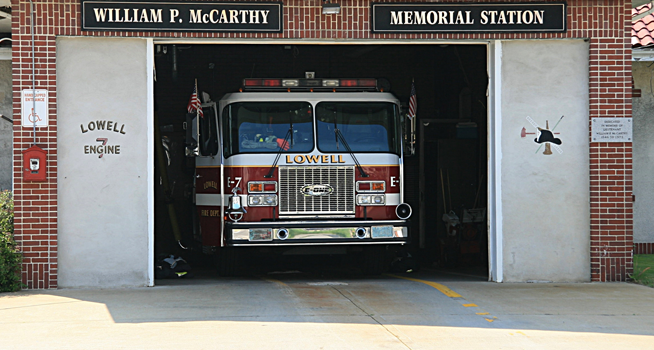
x=448 y=292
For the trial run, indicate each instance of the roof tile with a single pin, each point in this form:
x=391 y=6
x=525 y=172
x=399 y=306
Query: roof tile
x=641 y=9
x=642 y=29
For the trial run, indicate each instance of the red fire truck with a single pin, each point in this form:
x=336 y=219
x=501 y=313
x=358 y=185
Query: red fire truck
x=301 y=166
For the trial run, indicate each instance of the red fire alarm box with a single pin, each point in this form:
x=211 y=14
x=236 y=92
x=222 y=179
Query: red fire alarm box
x=34 y=164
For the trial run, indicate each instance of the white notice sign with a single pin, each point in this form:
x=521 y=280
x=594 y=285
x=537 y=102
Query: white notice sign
x=611 y=130
x=34 y=110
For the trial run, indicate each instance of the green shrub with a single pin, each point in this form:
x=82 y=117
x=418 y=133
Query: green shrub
x=644 y=269
x=10 y=257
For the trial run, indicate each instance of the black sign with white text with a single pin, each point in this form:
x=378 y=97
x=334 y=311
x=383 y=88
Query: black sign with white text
x=183 y=16
x=464 y=18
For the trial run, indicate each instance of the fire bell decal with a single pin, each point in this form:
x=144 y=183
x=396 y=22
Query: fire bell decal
x=544 y=136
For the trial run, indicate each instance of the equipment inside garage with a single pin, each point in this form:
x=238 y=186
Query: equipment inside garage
x=445 y=180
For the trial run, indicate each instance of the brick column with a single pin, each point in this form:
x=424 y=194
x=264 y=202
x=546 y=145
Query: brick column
x=611 y=163
x=35 y=202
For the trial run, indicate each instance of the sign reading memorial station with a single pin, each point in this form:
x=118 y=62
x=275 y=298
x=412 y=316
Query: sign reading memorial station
x=183 y=16
x=460 y=18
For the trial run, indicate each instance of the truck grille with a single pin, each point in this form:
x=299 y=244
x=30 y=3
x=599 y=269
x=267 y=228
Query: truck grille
x=293 y=179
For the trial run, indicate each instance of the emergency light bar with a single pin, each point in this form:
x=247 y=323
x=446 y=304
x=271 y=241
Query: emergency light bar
x=304 y=84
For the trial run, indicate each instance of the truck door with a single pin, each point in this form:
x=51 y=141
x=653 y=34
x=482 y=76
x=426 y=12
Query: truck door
x=204 y=141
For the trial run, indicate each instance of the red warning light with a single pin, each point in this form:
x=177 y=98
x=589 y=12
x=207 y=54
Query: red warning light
x=368 y=82
x=252 y=82
x=272 y=82
x=349 y=82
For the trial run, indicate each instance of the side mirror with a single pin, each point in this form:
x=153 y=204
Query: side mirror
x=192 y=147
x=409 y=136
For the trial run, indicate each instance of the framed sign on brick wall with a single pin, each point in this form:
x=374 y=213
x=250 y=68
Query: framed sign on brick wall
x=468 y=18
x=183 y=16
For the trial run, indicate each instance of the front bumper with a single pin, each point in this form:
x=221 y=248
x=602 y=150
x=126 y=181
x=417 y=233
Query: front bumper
x=292 y=233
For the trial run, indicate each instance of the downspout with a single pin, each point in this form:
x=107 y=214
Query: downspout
x=33 y=70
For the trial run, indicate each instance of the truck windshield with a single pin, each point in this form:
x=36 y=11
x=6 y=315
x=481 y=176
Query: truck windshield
x=262 y=127
x=365 y=126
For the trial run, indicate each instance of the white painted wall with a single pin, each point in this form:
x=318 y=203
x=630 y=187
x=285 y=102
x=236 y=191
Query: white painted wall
x=6 y=127
x=103 y=202
x=545 y=198
x=643 y=152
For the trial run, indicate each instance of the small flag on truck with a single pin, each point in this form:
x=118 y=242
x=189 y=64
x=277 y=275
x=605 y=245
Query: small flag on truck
x=194 y=103
x=413 y=104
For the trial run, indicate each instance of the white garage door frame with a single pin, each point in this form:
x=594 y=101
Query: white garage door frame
x=150 y=117
x=495 y=237
x=494 y=64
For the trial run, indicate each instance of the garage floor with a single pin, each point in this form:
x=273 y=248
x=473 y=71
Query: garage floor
x=287 y=310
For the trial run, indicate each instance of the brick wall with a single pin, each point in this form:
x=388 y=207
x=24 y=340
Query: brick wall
x=605 y=23
x=644 y=248
x=611 y=202
x=35 y=203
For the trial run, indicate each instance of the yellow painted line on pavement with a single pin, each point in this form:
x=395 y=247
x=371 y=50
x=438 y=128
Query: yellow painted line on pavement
x=274 y=281
x=448 y=292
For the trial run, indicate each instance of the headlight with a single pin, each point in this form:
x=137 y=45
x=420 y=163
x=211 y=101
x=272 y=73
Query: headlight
x=255 y=200
x=262 y=200
x=371 y=199
x=270 y=200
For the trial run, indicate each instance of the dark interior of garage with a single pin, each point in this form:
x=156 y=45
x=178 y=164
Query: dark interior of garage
x=445 y=180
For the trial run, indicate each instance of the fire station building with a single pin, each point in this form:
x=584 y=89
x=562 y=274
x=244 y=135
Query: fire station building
x=523 y=117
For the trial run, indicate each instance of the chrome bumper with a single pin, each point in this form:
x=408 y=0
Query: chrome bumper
x=280 y=233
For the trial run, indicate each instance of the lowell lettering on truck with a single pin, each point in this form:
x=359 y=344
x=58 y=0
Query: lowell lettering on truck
x=310 y=166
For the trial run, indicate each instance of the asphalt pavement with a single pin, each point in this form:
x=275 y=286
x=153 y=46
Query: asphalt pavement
x=293 y=310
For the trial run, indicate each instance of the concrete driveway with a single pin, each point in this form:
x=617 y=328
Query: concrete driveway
x=426 y=310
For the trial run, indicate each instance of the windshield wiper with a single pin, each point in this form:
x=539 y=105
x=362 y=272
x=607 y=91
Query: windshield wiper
x=289 y=134
x=290 y=123
x=340 y=136
x=336 y=132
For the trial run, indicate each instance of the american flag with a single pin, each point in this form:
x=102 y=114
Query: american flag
x=413 y=104
x=194 y=103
